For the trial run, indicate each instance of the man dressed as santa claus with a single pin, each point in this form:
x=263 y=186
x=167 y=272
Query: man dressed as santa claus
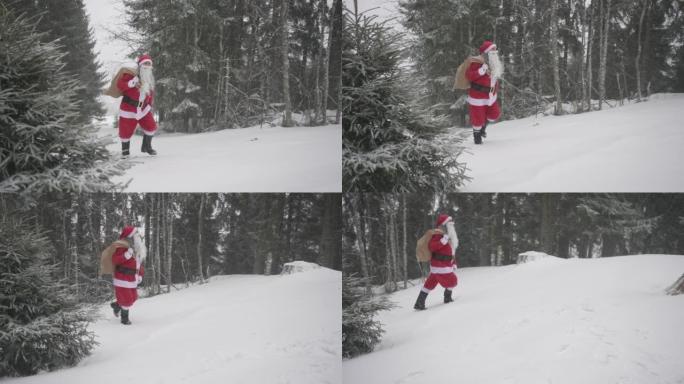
x=136 y=105
x=483 y=75
x=442 y=245
x=127 y=260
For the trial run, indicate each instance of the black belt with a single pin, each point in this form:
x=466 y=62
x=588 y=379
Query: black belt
x=125 y=271
x=133 y=102
x=477 y=87
x=441 y=257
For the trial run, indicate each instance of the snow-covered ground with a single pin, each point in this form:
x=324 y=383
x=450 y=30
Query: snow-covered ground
x=236 y=329
x=268 y=159
x=634 y=148
x=548 y=321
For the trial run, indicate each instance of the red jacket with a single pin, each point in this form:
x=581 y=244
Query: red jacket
x=473 y=75
x=129 y=88
x=439 y=245
x=123 y=257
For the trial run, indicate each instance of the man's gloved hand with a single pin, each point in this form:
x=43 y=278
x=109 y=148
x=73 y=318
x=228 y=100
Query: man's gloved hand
x=483 y=69
x=134 y=82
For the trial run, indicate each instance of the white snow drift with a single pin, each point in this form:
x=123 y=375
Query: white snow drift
x=268 y=159
x=633 y=148
x=236 y=329
x=546 y=321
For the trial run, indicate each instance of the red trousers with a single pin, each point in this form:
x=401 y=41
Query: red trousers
x=127 y=126
x=446 y=280
x=478 y=114
x=125 y=297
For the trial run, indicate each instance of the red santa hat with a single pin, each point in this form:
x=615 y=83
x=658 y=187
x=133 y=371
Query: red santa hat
x=127 y=231
x=144 y=58
x=442 y=219
x=486 y=47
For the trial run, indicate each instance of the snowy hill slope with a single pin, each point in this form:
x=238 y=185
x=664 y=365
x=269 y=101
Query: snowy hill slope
x=633 y=148
x=297 y=159
x=236 y=329
x=548 y=321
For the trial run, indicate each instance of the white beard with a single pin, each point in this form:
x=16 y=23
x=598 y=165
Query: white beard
x=453 y=238
x=146 y=82
x=495 y=65
x=139 y=247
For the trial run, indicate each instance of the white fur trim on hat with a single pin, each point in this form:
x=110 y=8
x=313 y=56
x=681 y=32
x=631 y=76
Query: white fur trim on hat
x=489 y=48
x=145 y=61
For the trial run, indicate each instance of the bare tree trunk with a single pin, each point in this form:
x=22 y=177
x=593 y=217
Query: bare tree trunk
x=360 y=243
x=582 y=72
x=200 y=222
x=389 y=281
x=287 y=119
x=395 y=245
x=74 y=243
x=160 y=239
x=324 y=64
x=637 y=59
x=317 y=66
x=604 y=51
x=169 y=253
x=592 y=28
x=558 y=110
x=403 y=222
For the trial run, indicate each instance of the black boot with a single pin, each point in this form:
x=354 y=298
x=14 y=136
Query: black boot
x=483 y=131
x=147 y=145
x=477 y=135
x=447 y=296
x=125 y=148
x=124 y=317
x=115 y=306
x=420 y=303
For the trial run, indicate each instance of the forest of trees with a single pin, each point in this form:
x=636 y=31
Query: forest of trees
x=380 y=231
x=554 y=51
x=231 y=63
x=190 y=237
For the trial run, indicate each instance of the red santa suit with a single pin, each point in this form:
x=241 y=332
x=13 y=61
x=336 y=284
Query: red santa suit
x=442 y=263
x=483 y=91
x=132 y=110
x=128 y=272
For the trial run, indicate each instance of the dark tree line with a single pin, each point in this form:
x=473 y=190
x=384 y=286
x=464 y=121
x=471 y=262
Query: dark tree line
x=380 y=231
x=230 y=63
x=189 y=237
x=554 y=51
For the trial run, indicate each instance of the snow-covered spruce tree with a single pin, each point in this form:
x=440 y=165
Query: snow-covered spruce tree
x=390 y=143
x=42 y=146
x=67 y=21
x=360 y=331
x=41 y=325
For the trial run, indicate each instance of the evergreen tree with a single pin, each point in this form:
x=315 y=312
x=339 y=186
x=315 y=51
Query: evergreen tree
x=360 y=331
x=42 y=144
x=66 y=23
x=389 y=144
x=41 y=325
